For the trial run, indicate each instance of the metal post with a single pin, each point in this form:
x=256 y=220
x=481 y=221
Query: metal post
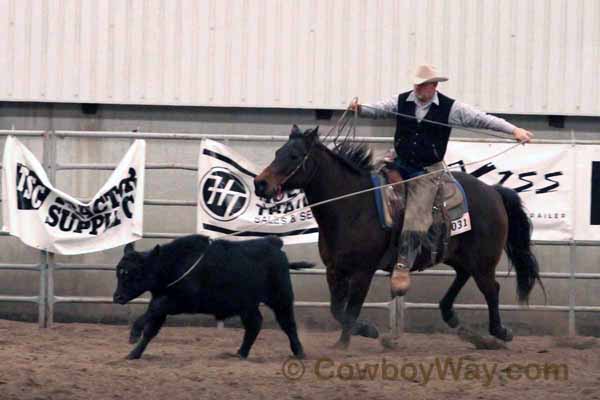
x=401 y=319
x=572 y=287
x=572 y=245
x=43 y=292
x=393 y=310
x=50 y=301
x=50 y=166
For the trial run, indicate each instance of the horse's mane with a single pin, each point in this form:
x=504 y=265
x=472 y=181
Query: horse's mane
x=357 y=156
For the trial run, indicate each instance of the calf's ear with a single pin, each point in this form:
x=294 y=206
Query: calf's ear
x=129 y=248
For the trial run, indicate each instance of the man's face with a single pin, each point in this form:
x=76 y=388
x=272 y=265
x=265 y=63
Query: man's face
x=425 y=91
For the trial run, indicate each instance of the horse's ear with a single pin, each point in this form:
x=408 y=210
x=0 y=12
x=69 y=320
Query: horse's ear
x=295 y=130
x=155 y=251
x=312 y=134
x=129 y=248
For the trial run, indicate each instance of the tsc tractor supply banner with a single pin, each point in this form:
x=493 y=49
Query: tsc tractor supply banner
x=227 y=203
x=48 y=219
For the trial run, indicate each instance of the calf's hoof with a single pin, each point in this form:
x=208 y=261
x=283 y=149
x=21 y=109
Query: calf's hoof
x=133 y=356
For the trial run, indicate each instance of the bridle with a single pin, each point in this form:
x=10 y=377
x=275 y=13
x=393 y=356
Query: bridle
x=301 y=165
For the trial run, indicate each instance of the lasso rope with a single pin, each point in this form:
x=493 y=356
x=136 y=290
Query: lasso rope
x=341 y=125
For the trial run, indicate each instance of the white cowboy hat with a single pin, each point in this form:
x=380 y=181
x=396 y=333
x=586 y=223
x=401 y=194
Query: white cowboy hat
x=426 y=73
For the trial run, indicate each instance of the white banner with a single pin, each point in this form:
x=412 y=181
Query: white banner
x=227 y=203
x=48 y=219
x=587 y=212
x=542 y=174
x=559 y=185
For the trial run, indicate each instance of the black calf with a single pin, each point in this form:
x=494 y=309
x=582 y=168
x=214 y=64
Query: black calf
x=231 y=278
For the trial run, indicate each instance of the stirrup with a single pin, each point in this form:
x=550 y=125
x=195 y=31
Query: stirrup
x=401 y=267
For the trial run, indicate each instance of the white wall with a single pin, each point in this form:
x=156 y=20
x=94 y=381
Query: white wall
x=507 y=56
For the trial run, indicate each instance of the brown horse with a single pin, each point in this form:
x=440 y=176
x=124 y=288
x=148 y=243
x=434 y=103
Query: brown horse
x=352 y=242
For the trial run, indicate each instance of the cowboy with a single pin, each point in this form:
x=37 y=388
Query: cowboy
x=420 y=147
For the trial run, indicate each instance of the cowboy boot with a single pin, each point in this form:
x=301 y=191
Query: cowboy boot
x=408 y=248
x=400 y=280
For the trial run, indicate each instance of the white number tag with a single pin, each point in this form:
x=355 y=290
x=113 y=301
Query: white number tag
x=461 y=225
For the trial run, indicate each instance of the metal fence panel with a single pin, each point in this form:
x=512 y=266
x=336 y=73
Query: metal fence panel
x=47 y=267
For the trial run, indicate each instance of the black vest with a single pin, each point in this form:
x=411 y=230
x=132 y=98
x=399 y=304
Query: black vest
x=421 y=144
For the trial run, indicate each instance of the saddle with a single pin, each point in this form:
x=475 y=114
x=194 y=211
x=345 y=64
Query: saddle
x=450 y=215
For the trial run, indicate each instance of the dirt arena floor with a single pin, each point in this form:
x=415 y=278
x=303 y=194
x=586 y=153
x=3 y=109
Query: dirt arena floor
x=86 y=361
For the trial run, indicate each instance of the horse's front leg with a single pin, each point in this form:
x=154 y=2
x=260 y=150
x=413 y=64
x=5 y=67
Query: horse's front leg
x=338 y=289
x=359 y=284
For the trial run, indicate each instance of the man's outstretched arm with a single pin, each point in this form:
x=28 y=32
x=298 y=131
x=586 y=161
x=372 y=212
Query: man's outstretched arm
x=380 y=109
x=462 y=114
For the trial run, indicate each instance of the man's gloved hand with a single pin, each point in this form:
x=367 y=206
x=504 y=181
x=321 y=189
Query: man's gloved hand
x=389 y=156
x=522 y=135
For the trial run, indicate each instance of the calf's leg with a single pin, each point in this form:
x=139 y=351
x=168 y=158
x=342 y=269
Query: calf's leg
x=252 y=321
x=137 y=328
x=154 y=318
x=151 y=328
x=287 y=322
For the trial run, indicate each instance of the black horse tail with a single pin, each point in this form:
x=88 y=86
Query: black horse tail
x=518 y=245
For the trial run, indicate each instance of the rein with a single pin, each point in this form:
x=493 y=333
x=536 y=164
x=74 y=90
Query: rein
x=301 y=165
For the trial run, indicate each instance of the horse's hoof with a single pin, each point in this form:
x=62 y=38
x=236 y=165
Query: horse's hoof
x=242 y=355
x=503 y=334
x=365 y=329
x=370 y=331
x=340 y=345
x=133 y=356
x=451 y=319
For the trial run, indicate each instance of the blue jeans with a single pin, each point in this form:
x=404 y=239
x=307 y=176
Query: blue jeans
x=406 y=170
